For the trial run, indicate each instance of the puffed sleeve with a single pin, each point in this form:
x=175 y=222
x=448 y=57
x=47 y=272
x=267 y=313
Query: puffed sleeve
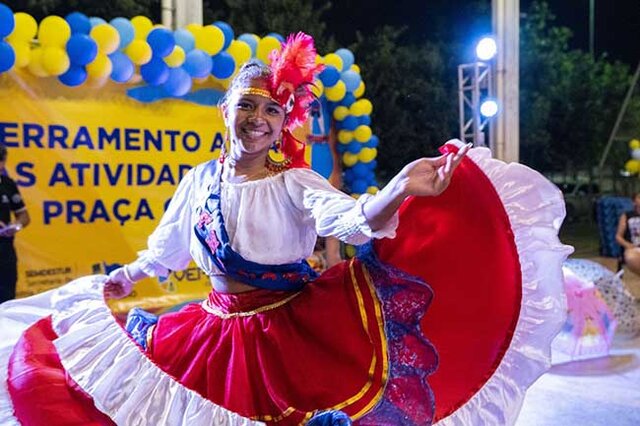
x=168 y=245
x=334 y=213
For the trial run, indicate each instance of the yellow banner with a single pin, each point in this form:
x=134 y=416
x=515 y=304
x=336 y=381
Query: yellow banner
x=96 y=169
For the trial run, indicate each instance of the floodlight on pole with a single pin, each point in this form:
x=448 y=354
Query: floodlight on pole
x=489 y=108
x=486 y=49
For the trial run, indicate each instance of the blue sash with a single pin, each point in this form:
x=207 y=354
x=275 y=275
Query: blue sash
x=212 y=233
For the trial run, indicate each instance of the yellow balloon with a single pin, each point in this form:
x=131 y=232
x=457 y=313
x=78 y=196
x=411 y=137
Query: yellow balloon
x=54 y=31
x=176 y=57
x=366 y=155
x=349 y=159
x=35 y=64
x=319 y=59
x=360 y=90
x=55 y=60
x=366 y=105
x=209 y=39
x=362 y=133
x=265 y=46
x=140 y=52
x=25 y=29
x=632 y=166
x=373 y=190
x=240 y=51
x=106 y=37
x=345 y=136
x=335 y=60
x=23 y=53
x=141 y=26
x=337 y=92
x=193 y=28
x=340 y=113
x=317 y=88
x=355 y=68
x=633 y=143
x=101 y=67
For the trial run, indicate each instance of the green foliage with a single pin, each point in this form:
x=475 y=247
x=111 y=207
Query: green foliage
x=569 y=101
x=414 y=111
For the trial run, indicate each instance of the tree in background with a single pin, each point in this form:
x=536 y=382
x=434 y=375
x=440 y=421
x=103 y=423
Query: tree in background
x=107 y=10
x=569 y=101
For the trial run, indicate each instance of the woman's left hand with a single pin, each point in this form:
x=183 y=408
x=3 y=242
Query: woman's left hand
x=431 y=176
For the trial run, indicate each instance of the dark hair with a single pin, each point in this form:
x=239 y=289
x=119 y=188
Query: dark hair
x=3 y=152
x=249 y=71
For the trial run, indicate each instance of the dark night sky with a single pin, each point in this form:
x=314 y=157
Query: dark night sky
x=617 y=22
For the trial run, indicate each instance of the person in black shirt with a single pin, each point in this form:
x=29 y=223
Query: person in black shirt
x=628 y=235
x=10 y=201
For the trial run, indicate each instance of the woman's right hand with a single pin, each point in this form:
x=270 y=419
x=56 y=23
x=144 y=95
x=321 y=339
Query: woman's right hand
x=118 y=284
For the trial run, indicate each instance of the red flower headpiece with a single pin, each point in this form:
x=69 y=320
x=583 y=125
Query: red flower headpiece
x=293 y=71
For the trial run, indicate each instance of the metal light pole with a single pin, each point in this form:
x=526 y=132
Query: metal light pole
x=474 y=84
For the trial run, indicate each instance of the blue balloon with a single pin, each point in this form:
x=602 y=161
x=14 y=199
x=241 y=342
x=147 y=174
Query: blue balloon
x=79 y=23
x=354 y=147
x=348 y=100
x=228 y=33
x=373 y=142
x=329 y=76
x=359 y=186
x=341 y=148
x=350 y=122
x=75 y=76
x=372 y=164
x=251 y=41
x=348 y=175
x=278 y=36
x=7 y=21
x=125 y=29
x=81 y=49
x=178 y=83
x=94 y=20
x=197 y=63
x=223 y=65
x=161 y=41
x=364 y=120
x=347 y=58
x=155 y=72
x=185 y=40
x=351 y=79
x=7 y=56
x=123 y=68
x=360 y=170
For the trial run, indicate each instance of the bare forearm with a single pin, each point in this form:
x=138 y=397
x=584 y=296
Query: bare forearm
x=23 y=218
x=624 y=243
x=383 y=206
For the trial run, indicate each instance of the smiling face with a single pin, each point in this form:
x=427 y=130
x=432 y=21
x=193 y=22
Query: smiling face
x=254 y=121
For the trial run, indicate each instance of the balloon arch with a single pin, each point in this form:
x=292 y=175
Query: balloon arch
x=162 y=63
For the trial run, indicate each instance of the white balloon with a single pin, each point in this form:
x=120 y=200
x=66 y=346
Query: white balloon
x=635 y=154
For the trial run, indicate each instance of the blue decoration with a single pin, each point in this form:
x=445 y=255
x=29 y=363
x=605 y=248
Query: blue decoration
x=341 y=148
x=125 y=29
x=347 y=58
x=123 y=68
x=348 y=100
x=7 y=21
x=94 y=20
x=364 y=120
x=329 y=76
x=251 y=41
x=350 y=123
x=178 y=83
x=7 y=56
x=373 y=142
x=184 y=39
x=75 y=76
x=360 y=170
x=354 y=147
x=359 y=186
x=79 y=23
x=278 y=36
x=161 y=41
x=227 y=31
x=223 y=65
x=81 y=49
x=351 y=79
x=330 y=418
x=155 y=71
x=197 y=63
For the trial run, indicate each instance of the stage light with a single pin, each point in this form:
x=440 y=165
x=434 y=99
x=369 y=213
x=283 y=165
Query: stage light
x=489 y=108
x=486 y=48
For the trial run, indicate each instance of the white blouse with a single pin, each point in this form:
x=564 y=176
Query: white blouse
x=274 y=220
